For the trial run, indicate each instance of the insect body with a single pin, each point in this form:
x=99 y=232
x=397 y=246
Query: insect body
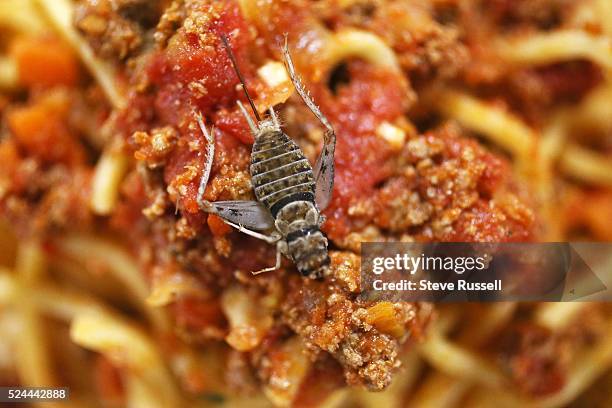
x=290 y=193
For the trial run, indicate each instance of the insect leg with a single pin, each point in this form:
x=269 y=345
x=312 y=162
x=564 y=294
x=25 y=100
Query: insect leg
x=205 y=205
x=276 y=265
x=324 y=167
x=271 y=239
x=247 y=117
x=274 y=118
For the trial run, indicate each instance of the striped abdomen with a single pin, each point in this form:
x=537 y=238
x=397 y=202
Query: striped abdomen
x=280 y=172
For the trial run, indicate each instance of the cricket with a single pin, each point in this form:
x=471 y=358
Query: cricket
x=290 y=194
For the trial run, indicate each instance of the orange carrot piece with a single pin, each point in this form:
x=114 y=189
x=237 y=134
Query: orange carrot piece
x=44 y=61
x=41 y=129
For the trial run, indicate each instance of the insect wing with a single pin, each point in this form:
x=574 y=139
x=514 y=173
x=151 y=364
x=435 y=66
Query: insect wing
x=324 y=173
x=249 y=214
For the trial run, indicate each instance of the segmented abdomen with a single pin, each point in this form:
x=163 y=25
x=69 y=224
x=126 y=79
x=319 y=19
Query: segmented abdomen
x=280 y=172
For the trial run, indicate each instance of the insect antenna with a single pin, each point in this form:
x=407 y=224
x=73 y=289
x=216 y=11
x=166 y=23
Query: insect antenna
x=239 y=74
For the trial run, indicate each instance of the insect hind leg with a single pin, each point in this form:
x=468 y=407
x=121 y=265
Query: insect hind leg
x=271 y=239
x=301 y=90
x=206 y=205
x=324 y=167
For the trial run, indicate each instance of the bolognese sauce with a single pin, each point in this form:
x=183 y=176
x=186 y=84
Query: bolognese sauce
x=407 y=169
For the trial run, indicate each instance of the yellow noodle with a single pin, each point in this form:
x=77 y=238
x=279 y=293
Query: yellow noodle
x=281 y=390
x=459 y=362
x=588 y=365
x=557 y=46
x=497 y=125
x=603 y=9
x=166 y=289
x=249 y=320
x=9 y=76
x=60 y=13
x=128 y=346
x=33 y=357
x=352 y=43
x=109 y=173
x=586 y=165
x=88 y=248
x=439 y=390
x=21 y=16
x=556 y=316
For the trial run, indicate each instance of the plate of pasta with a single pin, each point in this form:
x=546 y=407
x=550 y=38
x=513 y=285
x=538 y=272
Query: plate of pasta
x=455 y=121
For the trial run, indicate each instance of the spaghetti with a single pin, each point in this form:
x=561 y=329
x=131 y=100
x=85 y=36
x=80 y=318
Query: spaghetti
x=456 y=121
